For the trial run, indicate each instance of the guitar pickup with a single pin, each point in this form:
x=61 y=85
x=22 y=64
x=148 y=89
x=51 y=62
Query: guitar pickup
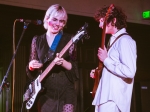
x=30 y=101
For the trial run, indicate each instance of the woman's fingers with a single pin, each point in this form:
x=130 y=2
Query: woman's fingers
x=35 y=64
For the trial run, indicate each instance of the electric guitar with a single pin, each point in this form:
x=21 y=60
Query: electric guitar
x=35 y=86
x=98 y=71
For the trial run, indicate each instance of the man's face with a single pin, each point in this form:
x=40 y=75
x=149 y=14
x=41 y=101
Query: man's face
x=101 y=22
x=109 y=27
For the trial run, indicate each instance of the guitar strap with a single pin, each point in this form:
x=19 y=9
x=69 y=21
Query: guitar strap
x=109 y=46
x=49 y=56
x=56 y=41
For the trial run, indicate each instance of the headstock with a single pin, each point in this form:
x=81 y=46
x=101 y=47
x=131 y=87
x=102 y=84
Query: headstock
x=109 y=11
x=81 y=33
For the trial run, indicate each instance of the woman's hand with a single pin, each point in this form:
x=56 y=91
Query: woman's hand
x=58 y=61
x=34 y=64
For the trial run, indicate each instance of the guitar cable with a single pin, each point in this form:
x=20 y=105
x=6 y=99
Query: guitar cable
x=22 y=107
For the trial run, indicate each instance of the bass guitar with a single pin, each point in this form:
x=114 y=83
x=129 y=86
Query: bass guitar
x=35 y=87
x=98 y=70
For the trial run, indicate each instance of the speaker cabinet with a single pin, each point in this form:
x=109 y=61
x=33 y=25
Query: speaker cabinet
x=142 y=93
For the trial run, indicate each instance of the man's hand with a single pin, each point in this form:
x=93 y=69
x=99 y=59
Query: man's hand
x=102 y=54
x=92 y=73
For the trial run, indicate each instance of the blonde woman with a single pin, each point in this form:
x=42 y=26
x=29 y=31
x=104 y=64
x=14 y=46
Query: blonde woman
x=59 y=94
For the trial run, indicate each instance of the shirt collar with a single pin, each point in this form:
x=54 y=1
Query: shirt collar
x=123 y=30
x=114 y=36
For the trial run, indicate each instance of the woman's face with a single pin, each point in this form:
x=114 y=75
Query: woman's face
x=55 y=24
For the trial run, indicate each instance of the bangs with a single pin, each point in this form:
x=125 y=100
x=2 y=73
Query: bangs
x=59 y=13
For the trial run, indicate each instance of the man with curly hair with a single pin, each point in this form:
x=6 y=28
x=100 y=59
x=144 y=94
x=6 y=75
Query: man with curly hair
x=115 y=87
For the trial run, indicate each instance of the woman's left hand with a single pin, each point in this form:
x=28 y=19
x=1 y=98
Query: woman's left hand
x=58 y=60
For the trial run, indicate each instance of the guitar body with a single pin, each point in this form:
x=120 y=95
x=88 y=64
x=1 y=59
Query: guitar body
x=32 y=91
x=97 y=75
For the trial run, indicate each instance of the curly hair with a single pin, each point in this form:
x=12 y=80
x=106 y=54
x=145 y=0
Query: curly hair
x=116 y=12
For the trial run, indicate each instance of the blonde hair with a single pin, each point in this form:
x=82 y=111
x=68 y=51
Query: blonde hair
x=53 y=10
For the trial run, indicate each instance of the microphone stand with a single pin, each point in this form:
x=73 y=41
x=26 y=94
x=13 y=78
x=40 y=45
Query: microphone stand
x=7 y=96
x=4 y=81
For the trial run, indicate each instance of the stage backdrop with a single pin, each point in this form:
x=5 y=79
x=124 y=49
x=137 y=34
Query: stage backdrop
x=133 y=8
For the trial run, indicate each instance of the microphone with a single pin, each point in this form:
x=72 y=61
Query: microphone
x=36 y=22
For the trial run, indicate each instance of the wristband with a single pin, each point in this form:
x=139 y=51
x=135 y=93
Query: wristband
x=30 y=68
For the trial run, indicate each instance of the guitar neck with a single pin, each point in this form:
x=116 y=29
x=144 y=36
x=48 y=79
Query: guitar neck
x=65 y=48
x=52 y=64
x=100 y=66
x=103 y=36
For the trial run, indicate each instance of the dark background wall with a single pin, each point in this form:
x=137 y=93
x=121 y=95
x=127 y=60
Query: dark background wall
x=87 y=59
